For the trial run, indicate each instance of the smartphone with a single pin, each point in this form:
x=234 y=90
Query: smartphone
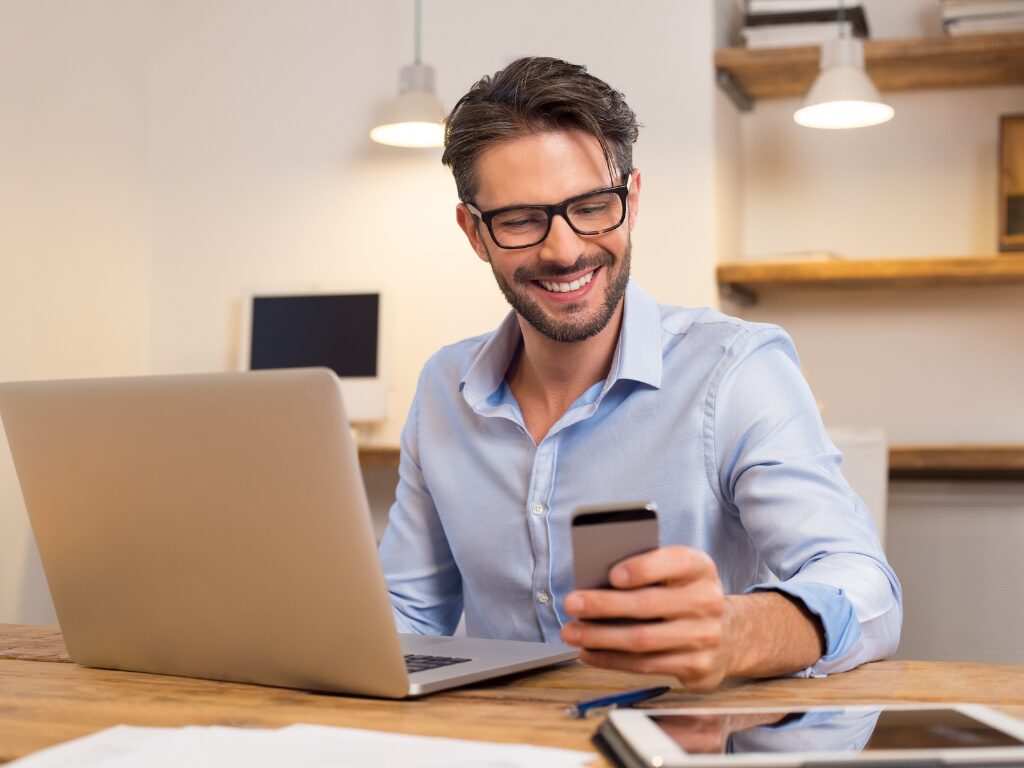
x=602 y=536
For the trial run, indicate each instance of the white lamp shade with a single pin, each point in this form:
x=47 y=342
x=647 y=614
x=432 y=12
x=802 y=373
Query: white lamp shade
x=843 y=95
x=415 y=118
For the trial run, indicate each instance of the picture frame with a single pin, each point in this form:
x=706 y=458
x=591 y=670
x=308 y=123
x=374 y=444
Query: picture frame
x=1011 y=183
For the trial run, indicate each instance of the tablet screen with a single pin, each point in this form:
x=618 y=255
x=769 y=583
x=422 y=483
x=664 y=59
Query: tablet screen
x=840 y=730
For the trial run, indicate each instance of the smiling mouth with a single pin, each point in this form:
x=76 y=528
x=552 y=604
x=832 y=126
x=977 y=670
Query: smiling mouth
x=557 y=287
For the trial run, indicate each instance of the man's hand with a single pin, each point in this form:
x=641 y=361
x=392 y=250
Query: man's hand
x=680 y=623
x=676 y=597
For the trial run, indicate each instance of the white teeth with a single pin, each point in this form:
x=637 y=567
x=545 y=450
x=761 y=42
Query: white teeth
x=566 y=287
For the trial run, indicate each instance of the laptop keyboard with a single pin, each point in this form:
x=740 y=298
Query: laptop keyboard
x=415 y=662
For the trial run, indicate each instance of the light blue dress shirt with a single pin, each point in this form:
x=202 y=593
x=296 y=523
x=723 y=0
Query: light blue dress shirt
x=706 y=415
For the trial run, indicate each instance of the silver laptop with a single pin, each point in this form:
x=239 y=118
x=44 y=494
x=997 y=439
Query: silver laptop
x=216 y=526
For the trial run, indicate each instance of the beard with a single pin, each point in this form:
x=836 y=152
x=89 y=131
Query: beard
x=572 y=325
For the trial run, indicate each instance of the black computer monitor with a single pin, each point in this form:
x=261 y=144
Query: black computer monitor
x=339 y=331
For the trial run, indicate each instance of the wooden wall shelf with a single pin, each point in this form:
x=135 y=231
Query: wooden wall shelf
x=952 y=462
x=741 y=281
x=378 y=456
x=748 y=74
x=956 y=462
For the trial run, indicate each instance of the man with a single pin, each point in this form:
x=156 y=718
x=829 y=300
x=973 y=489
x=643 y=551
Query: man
x=590 y=393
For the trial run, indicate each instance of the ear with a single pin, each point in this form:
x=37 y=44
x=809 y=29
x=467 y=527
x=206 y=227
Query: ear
x=469 y=224
x=633 y=199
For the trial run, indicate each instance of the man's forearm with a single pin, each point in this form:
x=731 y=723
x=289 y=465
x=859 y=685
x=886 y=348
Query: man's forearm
x=770 y=634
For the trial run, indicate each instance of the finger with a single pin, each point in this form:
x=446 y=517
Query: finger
x=666 y=564
x=645 y=637
x=693 y=600
x=696 y=671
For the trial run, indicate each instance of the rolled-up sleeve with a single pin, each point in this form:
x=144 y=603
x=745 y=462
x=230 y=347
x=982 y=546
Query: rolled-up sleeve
x=777 y=469
x=423 y=580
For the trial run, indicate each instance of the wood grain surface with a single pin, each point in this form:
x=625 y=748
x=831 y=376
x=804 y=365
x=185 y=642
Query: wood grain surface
x=42 y=704
x=753 y=276
x=957 y=461
x=32 y=643
x=894 y=65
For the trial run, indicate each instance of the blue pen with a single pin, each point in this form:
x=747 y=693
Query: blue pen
x=625 y=699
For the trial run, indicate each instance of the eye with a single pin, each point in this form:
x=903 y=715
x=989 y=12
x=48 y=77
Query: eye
x=599 y=206
x=523 y=219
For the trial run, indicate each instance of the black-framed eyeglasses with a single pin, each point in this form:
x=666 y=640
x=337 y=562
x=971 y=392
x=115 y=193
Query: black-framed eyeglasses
x=524 y=226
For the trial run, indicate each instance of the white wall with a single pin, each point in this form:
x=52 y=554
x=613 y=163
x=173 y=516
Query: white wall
x=166 y=155
x=728 y=189
x=956 y=547
x=936 y=365
x=74 y=214
x=923 y=184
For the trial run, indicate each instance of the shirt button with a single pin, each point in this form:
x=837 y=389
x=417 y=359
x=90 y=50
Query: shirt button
x=538 y=509
x=543 y=597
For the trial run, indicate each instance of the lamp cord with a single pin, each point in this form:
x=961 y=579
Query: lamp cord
x=417 y=14
x=841 y=17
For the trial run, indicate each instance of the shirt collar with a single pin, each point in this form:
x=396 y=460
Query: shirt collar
x=637 y=355
x=487 y=371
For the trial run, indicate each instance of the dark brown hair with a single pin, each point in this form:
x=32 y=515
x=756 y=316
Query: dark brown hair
x=531 y=95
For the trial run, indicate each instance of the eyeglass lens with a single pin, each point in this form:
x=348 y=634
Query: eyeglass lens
x=589 y=215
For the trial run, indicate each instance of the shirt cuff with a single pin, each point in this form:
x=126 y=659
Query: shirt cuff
x=832 y=607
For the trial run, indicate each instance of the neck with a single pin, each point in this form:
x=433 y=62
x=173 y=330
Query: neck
x=547 y=376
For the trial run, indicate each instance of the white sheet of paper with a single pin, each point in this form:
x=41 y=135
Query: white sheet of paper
x=314 y=746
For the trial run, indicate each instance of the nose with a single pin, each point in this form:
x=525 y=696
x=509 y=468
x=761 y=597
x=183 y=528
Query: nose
x=562 y=245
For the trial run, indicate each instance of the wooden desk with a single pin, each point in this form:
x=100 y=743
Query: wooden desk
x=45 y=699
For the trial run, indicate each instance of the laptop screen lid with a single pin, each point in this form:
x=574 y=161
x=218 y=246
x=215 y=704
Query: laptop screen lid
x=210 y=525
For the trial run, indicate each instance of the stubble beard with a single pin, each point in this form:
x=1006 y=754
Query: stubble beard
x=568 y=329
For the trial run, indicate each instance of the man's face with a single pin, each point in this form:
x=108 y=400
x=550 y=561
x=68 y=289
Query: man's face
x=547 y=168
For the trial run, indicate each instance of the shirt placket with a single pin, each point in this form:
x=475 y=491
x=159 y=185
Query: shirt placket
x=537 y=514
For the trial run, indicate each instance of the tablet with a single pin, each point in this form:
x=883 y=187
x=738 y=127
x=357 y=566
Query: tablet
x=920 y=734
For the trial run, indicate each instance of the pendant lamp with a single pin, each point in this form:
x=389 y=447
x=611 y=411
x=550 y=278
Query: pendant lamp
x=415 y=118
x=843 y=95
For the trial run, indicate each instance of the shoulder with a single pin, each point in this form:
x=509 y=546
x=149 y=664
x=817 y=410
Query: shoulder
x=453 y=361
x=712 y=334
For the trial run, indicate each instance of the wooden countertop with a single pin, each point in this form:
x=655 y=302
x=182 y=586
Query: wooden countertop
x=42 y=704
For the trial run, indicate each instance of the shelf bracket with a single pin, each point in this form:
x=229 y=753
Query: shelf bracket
x=737 y=294
x=734 y=90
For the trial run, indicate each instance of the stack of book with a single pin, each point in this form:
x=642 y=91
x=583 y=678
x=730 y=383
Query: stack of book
x=771 y=23
x=982 y=17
